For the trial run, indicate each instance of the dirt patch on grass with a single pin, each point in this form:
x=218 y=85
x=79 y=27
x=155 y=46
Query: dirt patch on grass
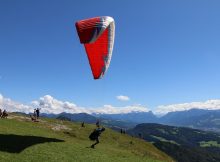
x=59 y=127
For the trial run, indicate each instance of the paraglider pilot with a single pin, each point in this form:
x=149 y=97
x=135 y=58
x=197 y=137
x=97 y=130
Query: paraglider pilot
x=94 y=136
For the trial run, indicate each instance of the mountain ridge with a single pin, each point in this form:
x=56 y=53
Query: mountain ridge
x=181 y=143
x=193 y=118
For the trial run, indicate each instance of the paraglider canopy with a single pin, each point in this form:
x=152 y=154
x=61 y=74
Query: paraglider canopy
x=97 y=34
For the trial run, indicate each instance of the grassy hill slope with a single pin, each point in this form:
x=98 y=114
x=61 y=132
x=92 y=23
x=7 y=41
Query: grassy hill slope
x=63 y=141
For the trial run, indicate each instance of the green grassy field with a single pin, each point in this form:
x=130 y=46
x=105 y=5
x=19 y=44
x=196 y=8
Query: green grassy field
x=53 y=140
x=209 y=144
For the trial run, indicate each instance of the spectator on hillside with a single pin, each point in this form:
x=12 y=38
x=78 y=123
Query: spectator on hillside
x=0 y=113
x=121 y=130
x=34 y=116
x=4 y=114
x=83 y=124
x=139 y=135
x=38 y=112
x=97 y=123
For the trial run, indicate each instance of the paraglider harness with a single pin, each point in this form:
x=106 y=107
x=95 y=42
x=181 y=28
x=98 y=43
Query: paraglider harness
x=96 y=133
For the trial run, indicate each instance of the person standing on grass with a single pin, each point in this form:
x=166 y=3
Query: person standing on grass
x=34 y=116
x=97 y=123
x=83 y=124
x=38 y=113
x=4 y=114
x=121 y=130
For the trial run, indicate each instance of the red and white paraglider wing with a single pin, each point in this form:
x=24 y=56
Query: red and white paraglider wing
x=97 y=34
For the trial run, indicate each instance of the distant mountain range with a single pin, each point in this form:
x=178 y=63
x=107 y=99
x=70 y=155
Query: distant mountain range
x=194 y=118
x=87 y=118
x=134 y=117
x=81 y=117
x=183 y=144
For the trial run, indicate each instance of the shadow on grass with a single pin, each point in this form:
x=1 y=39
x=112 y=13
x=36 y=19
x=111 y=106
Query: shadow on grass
x=16 y=143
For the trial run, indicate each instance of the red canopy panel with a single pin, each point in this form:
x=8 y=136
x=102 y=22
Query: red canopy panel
x=97 y=35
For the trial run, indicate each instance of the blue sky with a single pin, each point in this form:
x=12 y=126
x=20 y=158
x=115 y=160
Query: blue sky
x=165 y=52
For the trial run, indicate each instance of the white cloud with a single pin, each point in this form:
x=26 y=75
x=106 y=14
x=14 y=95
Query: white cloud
x=52 y=105
x=109 y=109
x=48 y=104
x=1 y=99
x=207 y=105
x=12 y=106
x=123 y=98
